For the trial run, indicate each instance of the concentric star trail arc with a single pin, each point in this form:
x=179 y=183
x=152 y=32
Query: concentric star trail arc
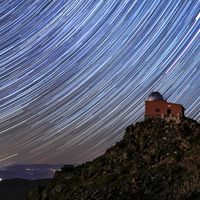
x=74 y=74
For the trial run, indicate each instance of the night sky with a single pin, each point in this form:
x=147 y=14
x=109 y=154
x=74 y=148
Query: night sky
x=75 y=73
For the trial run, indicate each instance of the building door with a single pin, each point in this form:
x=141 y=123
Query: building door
x=169 y=111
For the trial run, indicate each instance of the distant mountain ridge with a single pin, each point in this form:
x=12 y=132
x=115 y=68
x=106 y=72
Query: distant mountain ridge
x=29 y=171
x=155 y=160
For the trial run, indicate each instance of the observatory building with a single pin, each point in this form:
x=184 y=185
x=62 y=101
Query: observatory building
x=156 y=106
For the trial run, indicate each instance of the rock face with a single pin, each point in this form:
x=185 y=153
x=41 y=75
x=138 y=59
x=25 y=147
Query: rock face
x=154 y=160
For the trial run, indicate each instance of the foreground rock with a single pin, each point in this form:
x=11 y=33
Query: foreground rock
x=154 y=160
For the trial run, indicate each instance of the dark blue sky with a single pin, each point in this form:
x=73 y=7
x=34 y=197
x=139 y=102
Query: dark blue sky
x=75 y=73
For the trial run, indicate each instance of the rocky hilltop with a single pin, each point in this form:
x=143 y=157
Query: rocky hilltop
x=154 y=160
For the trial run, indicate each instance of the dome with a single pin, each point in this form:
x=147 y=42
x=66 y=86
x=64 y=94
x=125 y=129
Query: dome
x=154 y=96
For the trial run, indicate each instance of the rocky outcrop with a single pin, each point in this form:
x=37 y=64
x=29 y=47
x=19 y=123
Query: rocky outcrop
x=154 y=160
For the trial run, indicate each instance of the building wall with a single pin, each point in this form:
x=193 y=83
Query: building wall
x=162 y=108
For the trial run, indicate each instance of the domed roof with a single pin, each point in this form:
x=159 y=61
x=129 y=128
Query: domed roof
x=154 y=96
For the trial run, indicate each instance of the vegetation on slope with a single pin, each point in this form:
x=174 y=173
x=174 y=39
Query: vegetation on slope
x=154 y=160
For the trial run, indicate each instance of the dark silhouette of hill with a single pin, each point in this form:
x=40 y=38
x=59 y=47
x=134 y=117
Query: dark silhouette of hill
x=155 y=160
x=17 y=189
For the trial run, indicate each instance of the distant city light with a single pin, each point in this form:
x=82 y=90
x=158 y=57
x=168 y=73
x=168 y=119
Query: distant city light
x=1 y=179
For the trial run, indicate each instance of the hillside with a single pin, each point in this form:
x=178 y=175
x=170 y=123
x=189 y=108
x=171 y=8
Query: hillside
x=17 y=189
x=154 y=160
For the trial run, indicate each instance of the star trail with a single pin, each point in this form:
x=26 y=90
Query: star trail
x=75 y=73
